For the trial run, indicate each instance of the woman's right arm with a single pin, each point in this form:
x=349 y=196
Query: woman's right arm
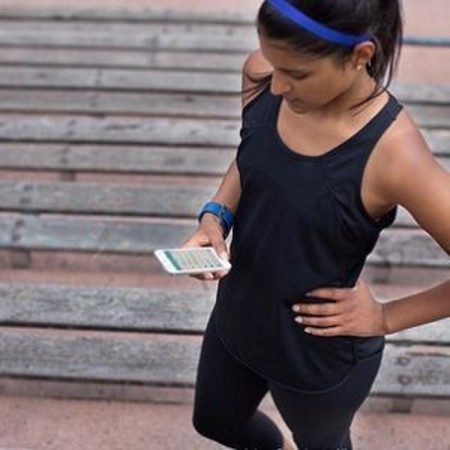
x=210 y=232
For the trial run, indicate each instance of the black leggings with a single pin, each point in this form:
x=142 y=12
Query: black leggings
x=228 y=393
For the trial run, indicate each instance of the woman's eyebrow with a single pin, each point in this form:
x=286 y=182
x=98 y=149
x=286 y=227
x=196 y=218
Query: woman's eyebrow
x=296 y=71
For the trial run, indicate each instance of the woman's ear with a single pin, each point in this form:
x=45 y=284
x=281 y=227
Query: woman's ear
x=363 y=54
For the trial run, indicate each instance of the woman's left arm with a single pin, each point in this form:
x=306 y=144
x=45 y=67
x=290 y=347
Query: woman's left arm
x=409 y=176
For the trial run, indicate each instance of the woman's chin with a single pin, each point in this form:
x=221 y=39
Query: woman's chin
x=298 y=107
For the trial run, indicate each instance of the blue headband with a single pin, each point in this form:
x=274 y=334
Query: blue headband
x=324 y=32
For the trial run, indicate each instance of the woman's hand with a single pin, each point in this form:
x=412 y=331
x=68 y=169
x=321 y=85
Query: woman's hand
x=350 y=312
x=209 y=233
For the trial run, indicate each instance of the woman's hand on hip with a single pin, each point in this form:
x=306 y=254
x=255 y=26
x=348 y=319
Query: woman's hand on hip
x=209 y=233
x=350 y=312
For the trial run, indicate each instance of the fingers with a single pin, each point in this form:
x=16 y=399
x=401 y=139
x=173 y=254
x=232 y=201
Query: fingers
x=210 y=276
x=203 y=276
x=331 y=331
x=322 y=316
x=210 y=233
x=328 y=321
x=338 y=294
x=218 y=243
x=344 y=311
x=325 y=309
x=197 y=240
x=332 y=293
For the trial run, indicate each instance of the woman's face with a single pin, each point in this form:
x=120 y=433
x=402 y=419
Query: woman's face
x=306 y=83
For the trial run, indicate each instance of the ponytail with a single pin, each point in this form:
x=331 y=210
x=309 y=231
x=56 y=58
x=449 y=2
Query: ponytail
x=388 y=35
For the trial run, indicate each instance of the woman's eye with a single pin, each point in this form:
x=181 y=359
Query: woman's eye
x=299 y=77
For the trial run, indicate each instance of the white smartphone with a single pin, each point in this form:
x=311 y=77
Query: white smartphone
x=192 y=260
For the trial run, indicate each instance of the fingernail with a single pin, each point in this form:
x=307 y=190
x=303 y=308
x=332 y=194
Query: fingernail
x=224 y=255
x=299 y=319
x=296 y=308
x=308 y=294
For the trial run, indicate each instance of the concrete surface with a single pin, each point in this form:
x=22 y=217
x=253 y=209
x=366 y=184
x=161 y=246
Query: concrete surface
x=46 y=424
x=418 y=64
x=431 y=17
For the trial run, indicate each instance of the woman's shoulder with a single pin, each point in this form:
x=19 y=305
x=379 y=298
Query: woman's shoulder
x=411 y=176
x=256 y=72
x=403 y=153
x=404 y=138
x=255 y=62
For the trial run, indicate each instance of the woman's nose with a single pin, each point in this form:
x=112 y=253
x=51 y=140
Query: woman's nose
x=279 y=85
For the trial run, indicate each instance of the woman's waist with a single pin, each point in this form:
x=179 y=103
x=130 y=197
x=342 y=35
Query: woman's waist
x=278 y=286
x=263 y=312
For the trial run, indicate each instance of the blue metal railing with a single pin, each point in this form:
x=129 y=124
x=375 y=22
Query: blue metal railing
x=427 y=41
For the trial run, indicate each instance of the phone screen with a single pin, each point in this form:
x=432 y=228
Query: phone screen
x=191 y=260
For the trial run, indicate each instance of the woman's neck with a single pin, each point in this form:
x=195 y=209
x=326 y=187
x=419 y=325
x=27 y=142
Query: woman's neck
x=342 y=107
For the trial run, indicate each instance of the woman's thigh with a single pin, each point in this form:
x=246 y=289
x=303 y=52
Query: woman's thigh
x=322 y=420
x=227 y=393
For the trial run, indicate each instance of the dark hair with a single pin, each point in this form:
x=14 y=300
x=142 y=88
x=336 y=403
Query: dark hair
x=382 y=19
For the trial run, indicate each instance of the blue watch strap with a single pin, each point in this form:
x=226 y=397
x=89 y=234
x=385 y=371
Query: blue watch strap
x=222 y=212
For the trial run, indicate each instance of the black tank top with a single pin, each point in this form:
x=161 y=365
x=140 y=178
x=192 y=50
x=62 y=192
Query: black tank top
x=300 y=225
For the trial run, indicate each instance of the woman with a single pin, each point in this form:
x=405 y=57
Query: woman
x=327 y=154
